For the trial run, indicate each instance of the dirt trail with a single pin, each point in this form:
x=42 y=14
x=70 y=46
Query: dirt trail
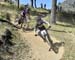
x=40 y=48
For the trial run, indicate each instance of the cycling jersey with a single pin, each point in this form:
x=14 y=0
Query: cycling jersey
x=40 y=24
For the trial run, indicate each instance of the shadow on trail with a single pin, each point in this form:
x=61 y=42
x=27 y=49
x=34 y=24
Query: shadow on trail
x=56 y=46
x=65 y=25
x=57 y=30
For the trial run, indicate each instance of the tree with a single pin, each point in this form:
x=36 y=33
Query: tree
x=18 y=3
x=35 y=3
x=41 y=5
x=59 y=7
x=32 y=3
x=53 y=11
x=45 y=6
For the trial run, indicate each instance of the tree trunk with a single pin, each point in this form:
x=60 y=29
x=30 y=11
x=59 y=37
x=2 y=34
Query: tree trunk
x=32 y=3
x=18 y=3
x=35 y=3
x=53 y=11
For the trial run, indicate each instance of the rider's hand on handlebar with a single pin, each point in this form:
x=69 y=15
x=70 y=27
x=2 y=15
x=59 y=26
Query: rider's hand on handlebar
x=49 y=27
x=35 y=34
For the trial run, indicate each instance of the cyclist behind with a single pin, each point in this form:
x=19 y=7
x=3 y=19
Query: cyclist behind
x=25 y=14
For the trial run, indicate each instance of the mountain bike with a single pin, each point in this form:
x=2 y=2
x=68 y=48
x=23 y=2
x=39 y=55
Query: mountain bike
x=45 y=36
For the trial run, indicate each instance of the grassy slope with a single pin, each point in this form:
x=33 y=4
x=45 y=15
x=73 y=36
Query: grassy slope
x=21 y=48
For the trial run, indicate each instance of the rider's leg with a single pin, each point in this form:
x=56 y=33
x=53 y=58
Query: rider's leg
x=27 y=25
x=28 y=21
x=21 y=25
x=24 y=23
x=42 y=36
x=50 y=42
x=52 y=46
x=21 y=21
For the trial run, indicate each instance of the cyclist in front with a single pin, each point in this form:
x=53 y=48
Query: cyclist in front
x=39 y=28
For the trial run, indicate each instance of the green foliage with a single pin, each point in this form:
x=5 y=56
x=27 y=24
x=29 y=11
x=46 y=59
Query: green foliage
x=3 y=15
x=8 y=5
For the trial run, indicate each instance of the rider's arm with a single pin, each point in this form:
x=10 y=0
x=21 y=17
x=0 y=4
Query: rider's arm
x=46 y=22
x=49 y=26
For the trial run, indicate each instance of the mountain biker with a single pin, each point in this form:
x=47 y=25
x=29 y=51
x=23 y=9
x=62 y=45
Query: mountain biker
x=39 y=27
x=25 y=14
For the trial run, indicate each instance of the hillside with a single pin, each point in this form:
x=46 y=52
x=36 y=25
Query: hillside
x=20 y=45
x=27 y=46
